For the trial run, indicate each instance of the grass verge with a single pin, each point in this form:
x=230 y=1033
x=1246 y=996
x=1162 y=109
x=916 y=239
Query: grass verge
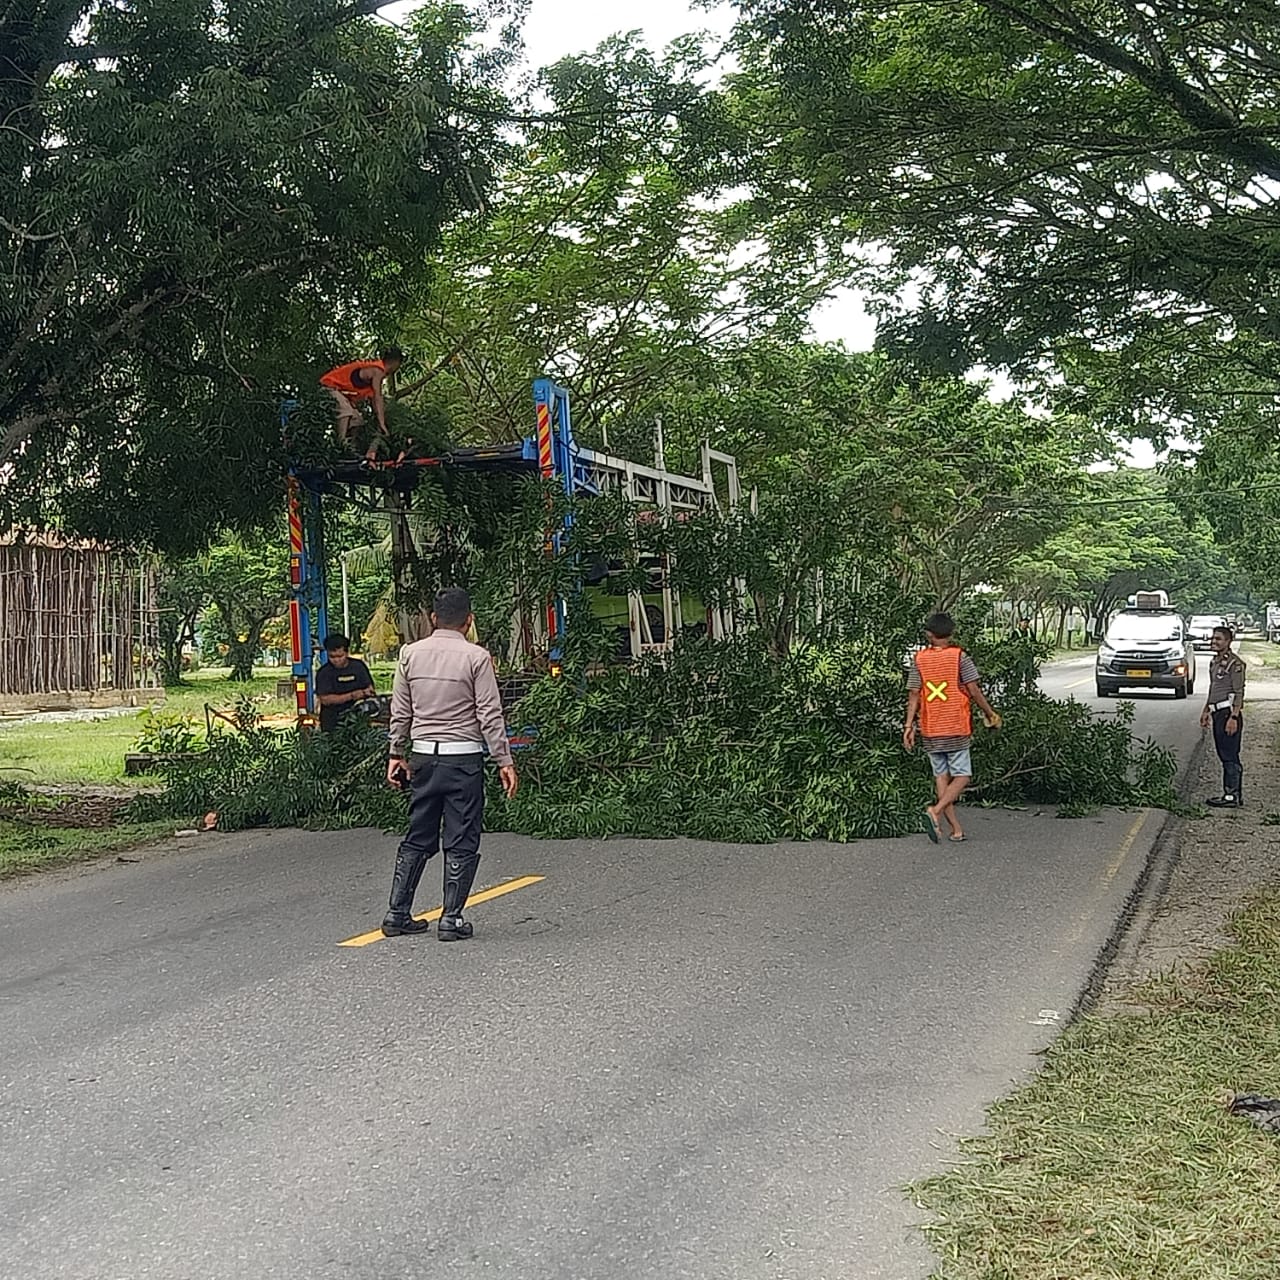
x=25 y=847
x=1119 y=1160
x=1260 y=654
x=89 y=752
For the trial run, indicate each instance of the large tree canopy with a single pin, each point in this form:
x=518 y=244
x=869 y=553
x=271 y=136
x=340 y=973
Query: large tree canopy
x=1049 y=176
x=198 y=203
x=600 y=263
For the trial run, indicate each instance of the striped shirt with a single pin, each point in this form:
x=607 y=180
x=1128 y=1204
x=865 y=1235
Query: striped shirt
x=968 y=675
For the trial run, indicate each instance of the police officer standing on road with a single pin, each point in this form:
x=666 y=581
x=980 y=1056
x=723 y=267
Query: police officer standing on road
x=446 y=709
x=1224 y=710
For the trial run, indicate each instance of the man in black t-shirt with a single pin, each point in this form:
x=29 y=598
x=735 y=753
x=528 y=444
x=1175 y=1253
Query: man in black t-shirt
x=341 y=682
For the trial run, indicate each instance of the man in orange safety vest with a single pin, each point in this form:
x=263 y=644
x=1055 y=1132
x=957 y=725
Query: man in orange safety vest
x=940 y=686
x=356 y=383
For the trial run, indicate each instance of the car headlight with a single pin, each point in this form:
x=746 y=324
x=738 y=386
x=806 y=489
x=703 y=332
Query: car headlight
x=1105 y=652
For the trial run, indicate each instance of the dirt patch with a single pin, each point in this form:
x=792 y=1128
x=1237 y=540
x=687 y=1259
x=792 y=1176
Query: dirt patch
x=81 y=811
x=1218 y=860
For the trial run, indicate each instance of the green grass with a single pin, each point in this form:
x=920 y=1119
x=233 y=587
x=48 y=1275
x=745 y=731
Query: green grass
x=25 y=848
x=89 y=752
x=1260 y=653
x=1119 y=1161
x=81 y=753
x=84 y=752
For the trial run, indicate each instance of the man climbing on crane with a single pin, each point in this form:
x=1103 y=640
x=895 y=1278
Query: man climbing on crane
x=353 y=384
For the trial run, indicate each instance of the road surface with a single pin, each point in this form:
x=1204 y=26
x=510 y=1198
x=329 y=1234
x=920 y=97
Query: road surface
x=1157 y=713
x=657 y=1060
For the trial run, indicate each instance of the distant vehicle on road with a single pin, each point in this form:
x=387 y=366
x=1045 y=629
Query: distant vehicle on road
x=1273 y=622
x=1146 y=649
x=1201 y=628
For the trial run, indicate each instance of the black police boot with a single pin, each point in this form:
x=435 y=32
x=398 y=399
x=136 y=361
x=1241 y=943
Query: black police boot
x=404 y=884
x=459 y=875
x=1232 y=777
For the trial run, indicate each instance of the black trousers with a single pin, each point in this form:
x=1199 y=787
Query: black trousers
x=1228 y=748
x=446 y=804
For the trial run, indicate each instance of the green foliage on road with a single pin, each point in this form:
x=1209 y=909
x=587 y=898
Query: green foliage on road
x=1120 y=1159
x=715 y=742
x=255 y=776
x=726 y=744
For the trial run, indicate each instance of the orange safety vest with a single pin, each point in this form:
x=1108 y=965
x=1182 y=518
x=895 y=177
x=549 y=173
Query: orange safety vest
x=944 y=705
x=343 y=379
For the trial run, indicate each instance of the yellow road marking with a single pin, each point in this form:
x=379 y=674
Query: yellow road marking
x=1108 y=876
x=1125 y=845
x=1077 y=683
x=485 y=895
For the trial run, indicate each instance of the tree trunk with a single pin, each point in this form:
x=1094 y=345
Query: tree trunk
x=172 y=644
x=171 y=663
x=413 y=621
x=240 y=654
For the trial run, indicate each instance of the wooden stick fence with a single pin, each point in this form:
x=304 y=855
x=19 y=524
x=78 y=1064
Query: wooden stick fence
x=75 y=617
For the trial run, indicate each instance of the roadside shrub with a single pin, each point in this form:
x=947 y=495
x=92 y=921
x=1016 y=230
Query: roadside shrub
x=166 y=732
x=282 y=778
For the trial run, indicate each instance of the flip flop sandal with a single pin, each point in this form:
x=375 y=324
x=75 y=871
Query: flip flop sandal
x=931 y=828
x=957 y=839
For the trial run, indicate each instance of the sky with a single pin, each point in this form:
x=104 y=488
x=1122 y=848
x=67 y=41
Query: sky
x=555 y=28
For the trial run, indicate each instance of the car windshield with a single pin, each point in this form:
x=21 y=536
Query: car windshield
x=1143 y=628
x=1201 y=621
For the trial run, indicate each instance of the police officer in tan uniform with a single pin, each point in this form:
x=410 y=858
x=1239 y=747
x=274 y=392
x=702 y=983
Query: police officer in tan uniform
x=1224 y=710
x=445 y=711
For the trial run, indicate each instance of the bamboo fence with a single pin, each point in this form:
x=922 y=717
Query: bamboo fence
x=75 y=617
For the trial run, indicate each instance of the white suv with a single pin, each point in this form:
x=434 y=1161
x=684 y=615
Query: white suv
x=1201 y=629
x=1146 y=649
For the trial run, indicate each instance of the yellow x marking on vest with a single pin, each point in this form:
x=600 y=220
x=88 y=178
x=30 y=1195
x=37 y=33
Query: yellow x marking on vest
x=937 y=692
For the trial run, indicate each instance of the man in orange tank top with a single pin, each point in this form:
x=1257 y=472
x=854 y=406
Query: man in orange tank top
x=942 y=682
x=353 y=383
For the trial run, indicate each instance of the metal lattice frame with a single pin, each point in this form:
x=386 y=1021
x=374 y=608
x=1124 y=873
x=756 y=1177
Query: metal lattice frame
x=552 y=453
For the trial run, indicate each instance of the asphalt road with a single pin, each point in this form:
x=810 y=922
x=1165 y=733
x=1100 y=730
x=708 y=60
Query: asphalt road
x=659 y=1060
x=1157 y=713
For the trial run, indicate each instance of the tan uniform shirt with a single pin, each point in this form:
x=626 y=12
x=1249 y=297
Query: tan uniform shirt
x=445 y=691
x=1226 y=680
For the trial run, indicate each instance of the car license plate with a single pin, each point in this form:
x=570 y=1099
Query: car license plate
x=1137 y=671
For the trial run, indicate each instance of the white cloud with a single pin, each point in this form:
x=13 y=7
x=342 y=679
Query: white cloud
x=843 y=317
x=556 y=28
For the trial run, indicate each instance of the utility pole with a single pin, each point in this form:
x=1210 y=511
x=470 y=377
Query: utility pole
x=346 y=599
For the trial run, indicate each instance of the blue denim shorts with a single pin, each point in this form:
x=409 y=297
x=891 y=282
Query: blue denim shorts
x=959 y=764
